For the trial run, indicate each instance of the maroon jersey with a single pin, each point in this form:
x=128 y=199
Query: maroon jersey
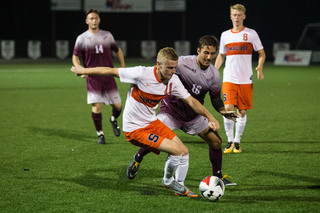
x=198 y=82
x=94 y=49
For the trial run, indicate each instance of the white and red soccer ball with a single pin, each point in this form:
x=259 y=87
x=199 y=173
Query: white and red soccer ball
x=211 y=188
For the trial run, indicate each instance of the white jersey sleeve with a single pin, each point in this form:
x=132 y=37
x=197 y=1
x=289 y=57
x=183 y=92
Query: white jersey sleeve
x=179 y=90
x=130 y=75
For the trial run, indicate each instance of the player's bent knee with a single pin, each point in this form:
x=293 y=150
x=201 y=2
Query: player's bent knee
x=175 y=151
x=185 y=151
x=229 y=107
x=171 y=147
x=217 y=146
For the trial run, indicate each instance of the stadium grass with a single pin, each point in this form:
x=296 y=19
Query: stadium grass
x=50 y=160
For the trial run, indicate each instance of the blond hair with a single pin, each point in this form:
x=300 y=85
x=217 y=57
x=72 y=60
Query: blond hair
x=239 y=7
x=166 y=54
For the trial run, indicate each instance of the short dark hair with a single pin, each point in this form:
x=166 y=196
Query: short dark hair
x=208 y=40
x=92 y=11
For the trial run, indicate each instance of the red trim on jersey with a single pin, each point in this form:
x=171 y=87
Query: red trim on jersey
x=170 y=88
x=239 y=48
x=238 y=31
x=155 y=74
x=147 y=99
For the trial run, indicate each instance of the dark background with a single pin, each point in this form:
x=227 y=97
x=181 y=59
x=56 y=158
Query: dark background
x=275 y=21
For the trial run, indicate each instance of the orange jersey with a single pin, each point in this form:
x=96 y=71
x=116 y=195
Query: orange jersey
x=145 y=94
x=238 y=48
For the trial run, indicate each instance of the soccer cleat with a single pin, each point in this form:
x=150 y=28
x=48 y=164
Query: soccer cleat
x=115 y=127
x=190 y=194
x=227 y=182
x=179 y=189
x=237 y=148
x=101 y=139
x=133 y=167
x=229 y=148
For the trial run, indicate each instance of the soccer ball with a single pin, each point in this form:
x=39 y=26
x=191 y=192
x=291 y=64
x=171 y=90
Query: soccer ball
x=211 y=188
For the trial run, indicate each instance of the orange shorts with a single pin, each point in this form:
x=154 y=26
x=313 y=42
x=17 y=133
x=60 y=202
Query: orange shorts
x=239 y=95
x=151 y=136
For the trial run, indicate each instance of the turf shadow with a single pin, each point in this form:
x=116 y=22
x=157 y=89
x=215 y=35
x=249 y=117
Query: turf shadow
x=62 y=133
x=116 y=179
x=297 y=178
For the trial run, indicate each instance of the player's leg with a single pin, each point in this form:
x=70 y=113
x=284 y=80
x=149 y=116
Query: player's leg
x=134 y=165
x=229 y=91
x=240 y=125
x=176 y=149
x=96 y=100
x=116 y=111
x=229 y=129
x=215 y=154
x=244 y=103
x=181 y=168
x=173 y=123
x=158 y=137
x=97 y=120
x=113 y=98
x=174 y=161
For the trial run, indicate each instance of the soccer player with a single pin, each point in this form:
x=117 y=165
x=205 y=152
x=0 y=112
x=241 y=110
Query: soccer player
x=140 y=124
x=94 y=48
x=199 y=77
x=236 y=46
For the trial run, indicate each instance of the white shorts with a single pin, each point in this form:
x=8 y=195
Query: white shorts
x=111 y=97
x=193 y=127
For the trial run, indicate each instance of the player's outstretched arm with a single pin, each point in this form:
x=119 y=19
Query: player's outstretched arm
x=229 y=115
x=95 y=71
x=197 y=107
x=217 y=103
x=76 y=62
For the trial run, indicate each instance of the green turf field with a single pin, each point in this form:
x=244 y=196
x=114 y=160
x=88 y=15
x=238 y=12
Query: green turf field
x=50 y=160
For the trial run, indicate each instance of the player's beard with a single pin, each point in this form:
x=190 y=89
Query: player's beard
x=94 y=27
x=204 y=67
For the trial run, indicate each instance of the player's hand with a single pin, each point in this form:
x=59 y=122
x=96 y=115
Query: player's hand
x=260 y=75
x=77 y=70
x=230 y=115
x=214 y=125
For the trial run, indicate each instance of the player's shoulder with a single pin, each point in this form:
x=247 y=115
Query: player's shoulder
x=145 y=71
x=226 y=32
x=214 y=72
x=136 y=68
x=175 y=78
x=213 y=69
x=82 y=35
x=187 y=58
x=250 y=30
x=185 y=63
x=104 y=32
x=85 y=35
